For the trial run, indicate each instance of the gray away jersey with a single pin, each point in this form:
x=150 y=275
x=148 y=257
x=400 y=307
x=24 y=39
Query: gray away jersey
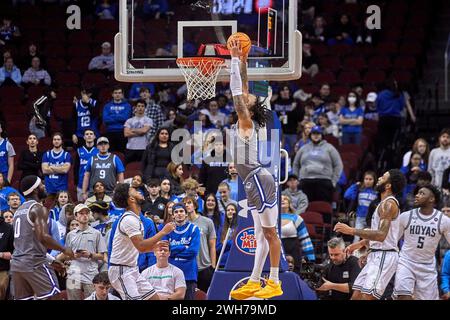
x=245 y=151
x=422 y=235
x=29 y=252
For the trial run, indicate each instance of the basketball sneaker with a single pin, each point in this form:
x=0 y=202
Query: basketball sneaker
x=271 y=290
x=246 y=291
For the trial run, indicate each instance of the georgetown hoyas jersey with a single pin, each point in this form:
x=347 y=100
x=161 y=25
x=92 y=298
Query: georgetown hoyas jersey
x=422 y=234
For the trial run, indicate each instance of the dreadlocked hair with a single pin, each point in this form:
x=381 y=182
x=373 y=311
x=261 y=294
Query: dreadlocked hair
x=261 y=115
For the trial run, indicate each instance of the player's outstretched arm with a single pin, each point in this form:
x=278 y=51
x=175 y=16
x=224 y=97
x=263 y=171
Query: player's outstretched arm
x=388 y=211
x=236 y=86
x=39 y=217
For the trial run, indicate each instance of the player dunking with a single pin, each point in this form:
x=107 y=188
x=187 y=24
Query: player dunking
x=32 y=276
x=259 y=184
x=381 y=239
x=422 y=229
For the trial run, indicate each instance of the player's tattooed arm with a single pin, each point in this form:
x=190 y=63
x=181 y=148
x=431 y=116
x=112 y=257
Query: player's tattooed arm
x=244 y=75
x=388 y=211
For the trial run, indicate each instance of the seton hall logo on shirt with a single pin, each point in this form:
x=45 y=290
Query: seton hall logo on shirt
x=2 y=153
x=246 y=241
x=102 y=165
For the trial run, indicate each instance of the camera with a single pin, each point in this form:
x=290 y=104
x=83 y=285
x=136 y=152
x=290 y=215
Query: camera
x=312 y=274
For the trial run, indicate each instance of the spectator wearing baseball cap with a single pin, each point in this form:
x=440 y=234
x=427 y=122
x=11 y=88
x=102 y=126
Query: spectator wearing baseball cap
x=103 y=62
x=319 y=166
x=89 y=247
x=370 y=111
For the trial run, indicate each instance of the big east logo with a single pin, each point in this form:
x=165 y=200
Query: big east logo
x=246 y=241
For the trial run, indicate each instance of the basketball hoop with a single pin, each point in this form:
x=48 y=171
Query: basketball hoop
x=201 y=74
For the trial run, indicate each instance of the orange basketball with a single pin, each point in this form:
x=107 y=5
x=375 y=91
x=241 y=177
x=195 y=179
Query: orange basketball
x=244 y=39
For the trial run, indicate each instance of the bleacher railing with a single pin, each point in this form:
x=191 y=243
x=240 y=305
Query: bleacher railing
x=446 y=56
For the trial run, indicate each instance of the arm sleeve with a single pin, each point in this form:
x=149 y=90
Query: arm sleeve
x=235 y=77
x=305 y=240
x=446 y=179
x=26 y=76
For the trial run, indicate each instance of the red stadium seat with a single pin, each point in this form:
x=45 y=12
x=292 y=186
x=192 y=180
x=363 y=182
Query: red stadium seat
x=35 y=92
x=353 y=148
x=403 y=77
x=68 y=79
x=320 y=49
x=79 y=64
x=374 y=77
x=79 y=38
x=94 y=79
x=387 y=48
x=332 y=140
x=405 y=62
x=55 y=50
x=325 y=77
x=330 y=63
x=349 y=77
x=380 y=62
x=11 y=95
x=83 y=51
x=55 y=65
x=355 y=63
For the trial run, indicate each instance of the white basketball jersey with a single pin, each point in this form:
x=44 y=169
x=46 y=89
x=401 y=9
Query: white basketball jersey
x=422 y=234
x=391 y=240
x=123 y=250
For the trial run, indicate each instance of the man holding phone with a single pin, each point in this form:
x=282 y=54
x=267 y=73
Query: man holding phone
x=90 y=248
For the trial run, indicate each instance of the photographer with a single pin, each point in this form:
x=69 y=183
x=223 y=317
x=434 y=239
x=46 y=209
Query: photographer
x=339 y=275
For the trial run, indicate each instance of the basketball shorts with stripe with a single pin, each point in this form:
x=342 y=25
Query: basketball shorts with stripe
x=261 y=190
x=40 y=284
x=416 y=279
x=377 y=273
x=129 y=283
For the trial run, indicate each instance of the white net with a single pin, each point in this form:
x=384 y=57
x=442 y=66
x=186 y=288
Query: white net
x=201 y=76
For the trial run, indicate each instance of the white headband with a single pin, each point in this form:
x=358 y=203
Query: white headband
x=34 y=186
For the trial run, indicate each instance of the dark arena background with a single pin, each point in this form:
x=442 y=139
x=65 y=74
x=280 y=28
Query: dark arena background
x=92 y=96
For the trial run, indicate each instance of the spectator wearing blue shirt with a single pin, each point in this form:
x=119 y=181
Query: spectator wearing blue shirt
x=134 y=94
x=445 y=276
x=106 y=10
x=7 y=154
x=184 y=244
x=105 y=167
x=412 y=170
x=115 y=113
x=62 y=198
x=9 y=74
x=56 y=164
x=361 y=194
x=390 y=104
x=229 y=225
x=351 y=119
